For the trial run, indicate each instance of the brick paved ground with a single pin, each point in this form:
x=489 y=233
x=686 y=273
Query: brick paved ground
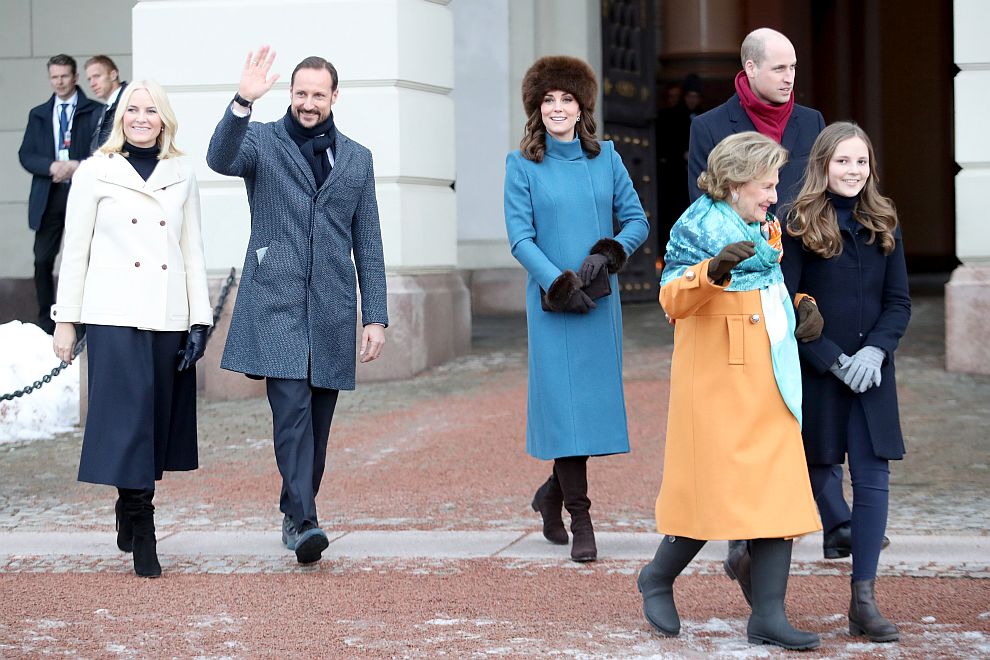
x=444 y=453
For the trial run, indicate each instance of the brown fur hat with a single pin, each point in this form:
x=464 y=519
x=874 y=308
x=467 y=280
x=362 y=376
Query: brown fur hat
x=568 y=74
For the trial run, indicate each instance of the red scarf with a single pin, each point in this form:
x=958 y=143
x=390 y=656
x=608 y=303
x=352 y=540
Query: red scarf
x=768 y=119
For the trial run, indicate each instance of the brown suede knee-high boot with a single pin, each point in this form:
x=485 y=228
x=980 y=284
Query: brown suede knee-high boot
x=549 y=501
x=572 y=472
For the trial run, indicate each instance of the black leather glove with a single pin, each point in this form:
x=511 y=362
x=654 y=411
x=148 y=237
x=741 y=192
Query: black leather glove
x=194 y=348
x=730 y=257
x=592 y=266
x=809 y=321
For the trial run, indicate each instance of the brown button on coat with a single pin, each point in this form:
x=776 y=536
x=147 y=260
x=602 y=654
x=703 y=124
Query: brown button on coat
x=734 y=464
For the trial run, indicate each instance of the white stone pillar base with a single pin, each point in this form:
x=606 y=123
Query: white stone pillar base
x=497 y=290
x=967 y=320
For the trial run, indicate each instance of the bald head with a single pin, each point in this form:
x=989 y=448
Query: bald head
x=770 y=63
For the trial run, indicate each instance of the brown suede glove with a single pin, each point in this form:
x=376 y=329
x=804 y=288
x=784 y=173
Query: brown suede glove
x=809 y=321
x=730 y=257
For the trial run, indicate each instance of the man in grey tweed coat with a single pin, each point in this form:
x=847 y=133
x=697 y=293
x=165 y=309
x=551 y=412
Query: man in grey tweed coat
x=312 y=196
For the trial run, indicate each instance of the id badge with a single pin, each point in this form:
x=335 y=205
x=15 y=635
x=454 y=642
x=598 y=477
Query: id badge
x=63 y=154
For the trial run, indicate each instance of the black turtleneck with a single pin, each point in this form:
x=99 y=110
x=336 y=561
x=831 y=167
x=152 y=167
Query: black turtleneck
x=844 y=207
x=142 y=159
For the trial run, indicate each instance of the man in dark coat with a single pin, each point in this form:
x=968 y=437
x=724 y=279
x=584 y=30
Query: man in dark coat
x=56 y=139
x=312 y=195
x=764 y=102
x=104 y=80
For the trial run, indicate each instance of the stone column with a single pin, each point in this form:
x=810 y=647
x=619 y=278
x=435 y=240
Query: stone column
x=701 y=37
x=967 y=295
x=395 y=61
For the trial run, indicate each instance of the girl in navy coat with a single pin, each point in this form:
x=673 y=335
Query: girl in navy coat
x=843 y=247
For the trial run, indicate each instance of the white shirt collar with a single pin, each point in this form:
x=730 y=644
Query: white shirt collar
x=114 y=95
x=72 y=100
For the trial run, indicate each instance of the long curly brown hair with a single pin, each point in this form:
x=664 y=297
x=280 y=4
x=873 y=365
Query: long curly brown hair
x=812 y=218
x=534 y=143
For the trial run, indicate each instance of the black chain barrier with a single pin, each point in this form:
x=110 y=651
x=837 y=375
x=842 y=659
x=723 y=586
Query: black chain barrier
x=81 y=344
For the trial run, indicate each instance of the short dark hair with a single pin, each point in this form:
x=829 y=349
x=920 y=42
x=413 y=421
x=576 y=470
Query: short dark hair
x=101 y=59
x=63 y=60
x=315 y=62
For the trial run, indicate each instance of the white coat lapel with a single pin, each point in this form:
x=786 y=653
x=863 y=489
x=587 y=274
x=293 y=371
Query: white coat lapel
x=168 y=172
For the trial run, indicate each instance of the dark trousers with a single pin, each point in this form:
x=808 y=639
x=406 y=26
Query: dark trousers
x=826 y=482
x=302 y=415
x=47 y=241
x=871 y=486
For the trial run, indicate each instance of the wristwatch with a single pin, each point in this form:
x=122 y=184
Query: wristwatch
x=240 y=100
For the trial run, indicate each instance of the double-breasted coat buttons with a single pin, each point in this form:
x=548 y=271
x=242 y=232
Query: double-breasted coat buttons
x=133 y=221
x=754 y=319
x=137 y=264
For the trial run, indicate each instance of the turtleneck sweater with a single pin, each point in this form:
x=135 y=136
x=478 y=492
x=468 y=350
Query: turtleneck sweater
x=844 y=207
x=142 y=159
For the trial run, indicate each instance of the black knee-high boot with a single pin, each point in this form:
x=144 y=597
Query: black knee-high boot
x=572 y=472
x=548 y=501
x=125 y=530
x=138 y=506
x=768 y=624
x=656 y=582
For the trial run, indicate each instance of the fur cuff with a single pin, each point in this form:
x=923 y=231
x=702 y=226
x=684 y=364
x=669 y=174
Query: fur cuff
x=613 y=251
x=562 y=289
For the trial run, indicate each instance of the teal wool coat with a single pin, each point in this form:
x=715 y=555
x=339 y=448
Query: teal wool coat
x=555 y=211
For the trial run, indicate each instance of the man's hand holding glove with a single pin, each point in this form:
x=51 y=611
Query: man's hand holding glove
x=730 y=257
x=195 y=347
x=809 y=321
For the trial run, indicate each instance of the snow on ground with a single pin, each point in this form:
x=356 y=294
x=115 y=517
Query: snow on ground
x=25 y=356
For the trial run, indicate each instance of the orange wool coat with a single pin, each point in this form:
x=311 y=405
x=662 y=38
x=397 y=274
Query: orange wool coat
x=734 y=464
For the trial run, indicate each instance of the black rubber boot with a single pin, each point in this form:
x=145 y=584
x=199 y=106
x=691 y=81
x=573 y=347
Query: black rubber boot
x=771 y=563
x=138 y=505
x=572 y=473
x=548 y=502
x=737 y=566
x=656 y=582
x=864 y=616
x=125 y=530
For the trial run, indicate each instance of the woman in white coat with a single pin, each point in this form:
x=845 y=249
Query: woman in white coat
x=133 y=271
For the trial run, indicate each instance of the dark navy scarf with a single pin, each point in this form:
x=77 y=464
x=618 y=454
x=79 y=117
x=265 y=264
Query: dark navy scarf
x=313 y=143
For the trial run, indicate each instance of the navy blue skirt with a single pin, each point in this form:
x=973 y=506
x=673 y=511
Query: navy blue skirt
x=142 y=411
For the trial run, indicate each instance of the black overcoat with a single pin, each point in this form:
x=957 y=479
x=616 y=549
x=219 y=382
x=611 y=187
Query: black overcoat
x=37 y=152
x=863 y=296
x=712 y=127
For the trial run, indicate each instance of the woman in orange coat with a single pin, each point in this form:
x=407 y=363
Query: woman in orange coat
x=734 y=460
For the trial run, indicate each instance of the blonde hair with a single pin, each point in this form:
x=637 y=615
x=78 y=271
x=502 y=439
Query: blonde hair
x=737 y=160
x=812 y=218
x=166 y=139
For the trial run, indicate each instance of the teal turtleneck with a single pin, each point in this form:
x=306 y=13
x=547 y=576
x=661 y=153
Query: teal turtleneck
x=564 y=150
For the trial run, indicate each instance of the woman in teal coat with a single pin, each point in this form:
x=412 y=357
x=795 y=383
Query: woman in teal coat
x=562 y=189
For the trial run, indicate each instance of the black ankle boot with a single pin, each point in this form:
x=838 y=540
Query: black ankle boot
x=572 y=473
x=656 y=582
x=548 y=502
x=125 y=530
x=771 y=563
x=864 y=616
x=138 y=505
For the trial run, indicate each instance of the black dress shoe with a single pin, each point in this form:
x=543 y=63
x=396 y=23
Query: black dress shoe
x=838 y=542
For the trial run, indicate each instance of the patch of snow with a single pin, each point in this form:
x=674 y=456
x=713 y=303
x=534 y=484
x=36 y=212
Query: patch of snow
x=25 y=356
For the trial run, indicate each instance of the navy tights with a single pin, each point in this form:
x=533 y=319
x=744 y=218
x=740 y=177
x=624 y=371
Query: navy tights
x=870 y=482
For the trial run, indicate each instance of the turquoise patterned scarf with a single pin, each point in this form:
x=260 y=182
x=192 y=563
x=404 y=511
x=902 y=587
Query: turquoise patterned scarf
x=701 y=232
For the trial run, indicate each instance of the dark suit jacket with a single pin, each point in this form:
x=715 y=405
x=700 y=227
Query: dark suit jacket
x=102 y=131
x=712 y=127
x=37 y=150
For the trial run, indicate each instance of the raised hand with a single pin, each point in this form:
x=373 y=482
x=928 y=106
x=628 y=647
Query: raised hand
x=729 y=258
x=255 y=82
